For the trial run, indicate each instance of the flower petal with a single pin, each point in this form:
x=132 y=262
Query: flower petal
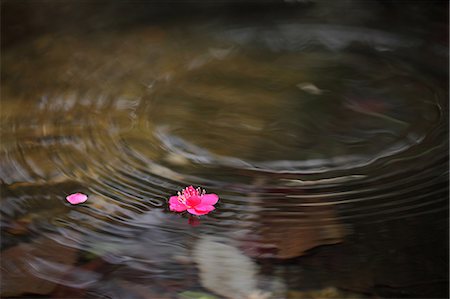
x=194 y=212
x=193 y=201
x=206 y=208
x=173 y=200
x=175 y=205
x=209 y=199
x=201 y=210
x=76 y=198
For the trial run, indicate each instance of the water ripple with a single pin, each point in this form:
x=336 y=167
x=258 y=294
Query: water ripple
x=295 y=168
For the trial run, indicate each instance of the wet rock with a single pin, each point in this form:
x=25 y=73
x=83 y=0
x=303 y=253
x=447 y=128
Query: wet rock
x=225 y=270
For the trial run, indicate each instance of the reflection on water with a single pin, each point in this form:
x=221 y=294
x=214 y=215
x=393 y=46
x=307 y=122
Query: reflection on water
x=327 y=145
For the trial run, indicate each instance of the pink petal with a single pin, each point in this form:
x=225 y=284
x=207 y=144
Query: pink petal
x=76 y=198
x=173 y=200
x=201 y=210
x=175 y=205
x=209 y=199
x=205 y=208
x=194 y=212
x=193 y=201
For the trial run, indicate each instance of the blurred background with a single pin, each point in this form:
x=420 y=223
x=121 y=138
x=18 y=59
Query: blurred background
x=22 y=19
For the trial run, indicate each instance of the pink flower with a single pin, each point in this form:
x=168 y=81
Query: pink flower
x=195 y=201
x=76 y=198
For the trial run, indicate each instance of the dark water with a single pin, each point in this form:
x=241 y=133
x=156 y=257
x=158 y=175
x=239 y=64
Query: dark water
x=326 y=138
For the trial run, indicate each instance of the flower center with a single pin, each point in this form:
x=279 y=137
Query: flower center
x=190 y=197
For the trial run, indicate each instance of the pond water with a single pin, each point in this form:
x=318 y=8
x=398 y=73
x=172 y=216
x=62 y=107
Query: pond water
x=325 y=137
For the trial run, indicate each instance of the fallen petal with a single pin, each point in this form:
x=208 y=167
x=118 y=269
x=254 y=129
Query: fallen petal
x=76 y=198
x=209 y=199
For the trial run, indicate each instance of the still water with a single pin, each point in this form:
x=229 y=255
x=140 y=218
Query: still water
x=326 y=143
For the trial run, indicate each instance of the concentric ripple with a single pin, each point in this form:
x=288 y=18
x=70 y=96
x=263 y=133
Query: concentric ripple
x=306 y=132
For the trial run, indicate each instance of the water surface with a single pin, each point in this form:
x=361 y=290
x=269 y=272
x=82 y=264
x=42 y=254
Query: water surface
x=327 y=144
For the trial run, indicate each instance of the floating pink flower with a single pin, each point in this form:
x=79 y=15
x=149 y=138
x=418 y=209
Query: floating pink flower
x=195 y=201
x=76 y=198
